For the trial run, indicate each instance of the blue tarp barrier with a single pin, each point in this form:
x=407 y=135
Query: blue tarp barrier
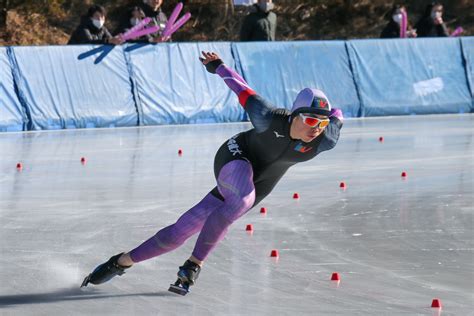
x=69 y=87
x=279 y=70
x=468 y=52
x=415 y=76
x=11 y=113
x=173 y=87
x=103 y=86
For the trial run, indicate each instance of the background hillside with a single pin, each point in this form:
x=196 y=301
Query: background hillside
x=50 y=22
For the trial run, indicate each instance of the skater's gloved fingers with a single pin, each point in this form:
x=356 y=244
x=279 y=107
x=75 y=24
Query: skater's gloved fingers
x=210 y=56
x=206 y=54
x=207 y=58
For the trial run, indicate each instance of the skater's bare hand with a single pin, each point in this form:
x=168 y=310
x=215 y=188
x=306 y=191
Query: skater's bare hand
x=208 y=57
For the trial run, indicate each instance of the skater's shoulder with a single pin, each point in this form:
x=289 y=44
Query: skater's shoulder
x=281 y=116
x=258 y=103
x=281 y=112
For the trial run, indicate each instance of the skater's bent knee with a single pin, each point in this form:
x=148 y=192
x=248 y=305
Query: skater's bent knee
x=243 y=202
x=235 y=208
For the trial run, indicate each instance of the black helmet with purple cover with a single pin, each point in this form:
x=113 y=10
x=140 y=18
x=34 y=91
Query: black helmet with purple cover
x=311 y=101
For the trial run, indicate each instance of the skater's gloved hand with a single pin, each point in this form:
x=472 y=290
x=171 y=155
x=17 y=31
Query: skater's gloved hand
x=211 y=60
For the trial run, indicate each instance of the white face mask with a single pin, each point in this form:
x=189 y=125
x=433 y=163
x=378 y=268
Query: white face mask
x=397 y=18
x=266 y=6
x=134 y=21
x=436 y=14
x=98 y=23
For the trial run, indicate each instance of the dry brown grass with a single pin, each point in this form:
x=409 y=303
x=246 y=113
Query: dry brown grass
x=216 y=20
x=32 y=29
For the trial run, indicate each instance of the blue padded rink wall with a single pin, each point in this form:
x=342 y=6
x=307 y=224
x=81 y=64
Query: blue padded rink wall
x=397 y=243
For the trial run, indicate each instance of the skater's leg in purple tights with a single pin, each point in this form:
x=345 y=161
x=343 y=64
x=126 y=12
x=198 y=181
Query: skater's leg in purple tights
x=235 y=183
x=175 y=235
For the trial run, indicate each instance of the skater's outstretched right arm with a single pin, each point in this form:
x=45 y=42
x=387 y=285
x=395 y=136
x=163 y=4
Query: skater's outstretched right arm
x=258 y=109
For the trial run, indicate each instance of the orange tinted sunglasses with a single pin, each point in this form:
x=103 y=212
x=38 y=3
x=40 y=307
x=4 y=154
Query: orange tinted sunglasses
x=314 y=121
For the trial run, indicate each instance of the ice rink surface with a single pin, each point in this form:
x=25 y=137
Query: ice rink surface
x=396 y=243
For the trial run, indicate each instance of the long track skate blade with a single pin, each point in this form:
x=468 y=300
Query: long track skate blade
x=86 y=280
x=178 y=289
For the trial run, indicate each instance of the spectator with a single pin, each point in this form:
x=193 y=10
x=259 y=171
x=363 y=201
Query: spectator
x=395 y=17
x=431 y=23
x=92 y=29
x=135 y=15
x=260 y=25
x=152 y=9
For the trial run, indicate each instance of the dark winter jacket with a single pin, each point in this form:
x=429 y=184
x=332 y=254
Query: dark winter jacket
x=391 y=30
x=259 y=26
x=87 y=33
x=426 y=28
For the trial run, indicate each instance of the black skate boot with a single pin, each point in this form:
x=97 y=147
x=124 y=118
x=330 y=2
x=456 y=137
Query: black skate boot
x=105 y=271
x=187 y=276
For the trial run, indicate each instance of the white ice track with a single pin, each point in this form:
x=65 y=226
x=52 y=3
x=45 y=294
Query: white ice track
x=397 y=244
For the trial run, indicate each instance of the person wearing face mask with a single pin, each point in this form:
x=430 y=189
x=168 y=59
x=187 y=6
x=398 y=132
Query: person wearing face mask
x=92 y=29
x=260 y=24
x=393 y=29
x=152 y=9
x=135 y=15
x=431 y=23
